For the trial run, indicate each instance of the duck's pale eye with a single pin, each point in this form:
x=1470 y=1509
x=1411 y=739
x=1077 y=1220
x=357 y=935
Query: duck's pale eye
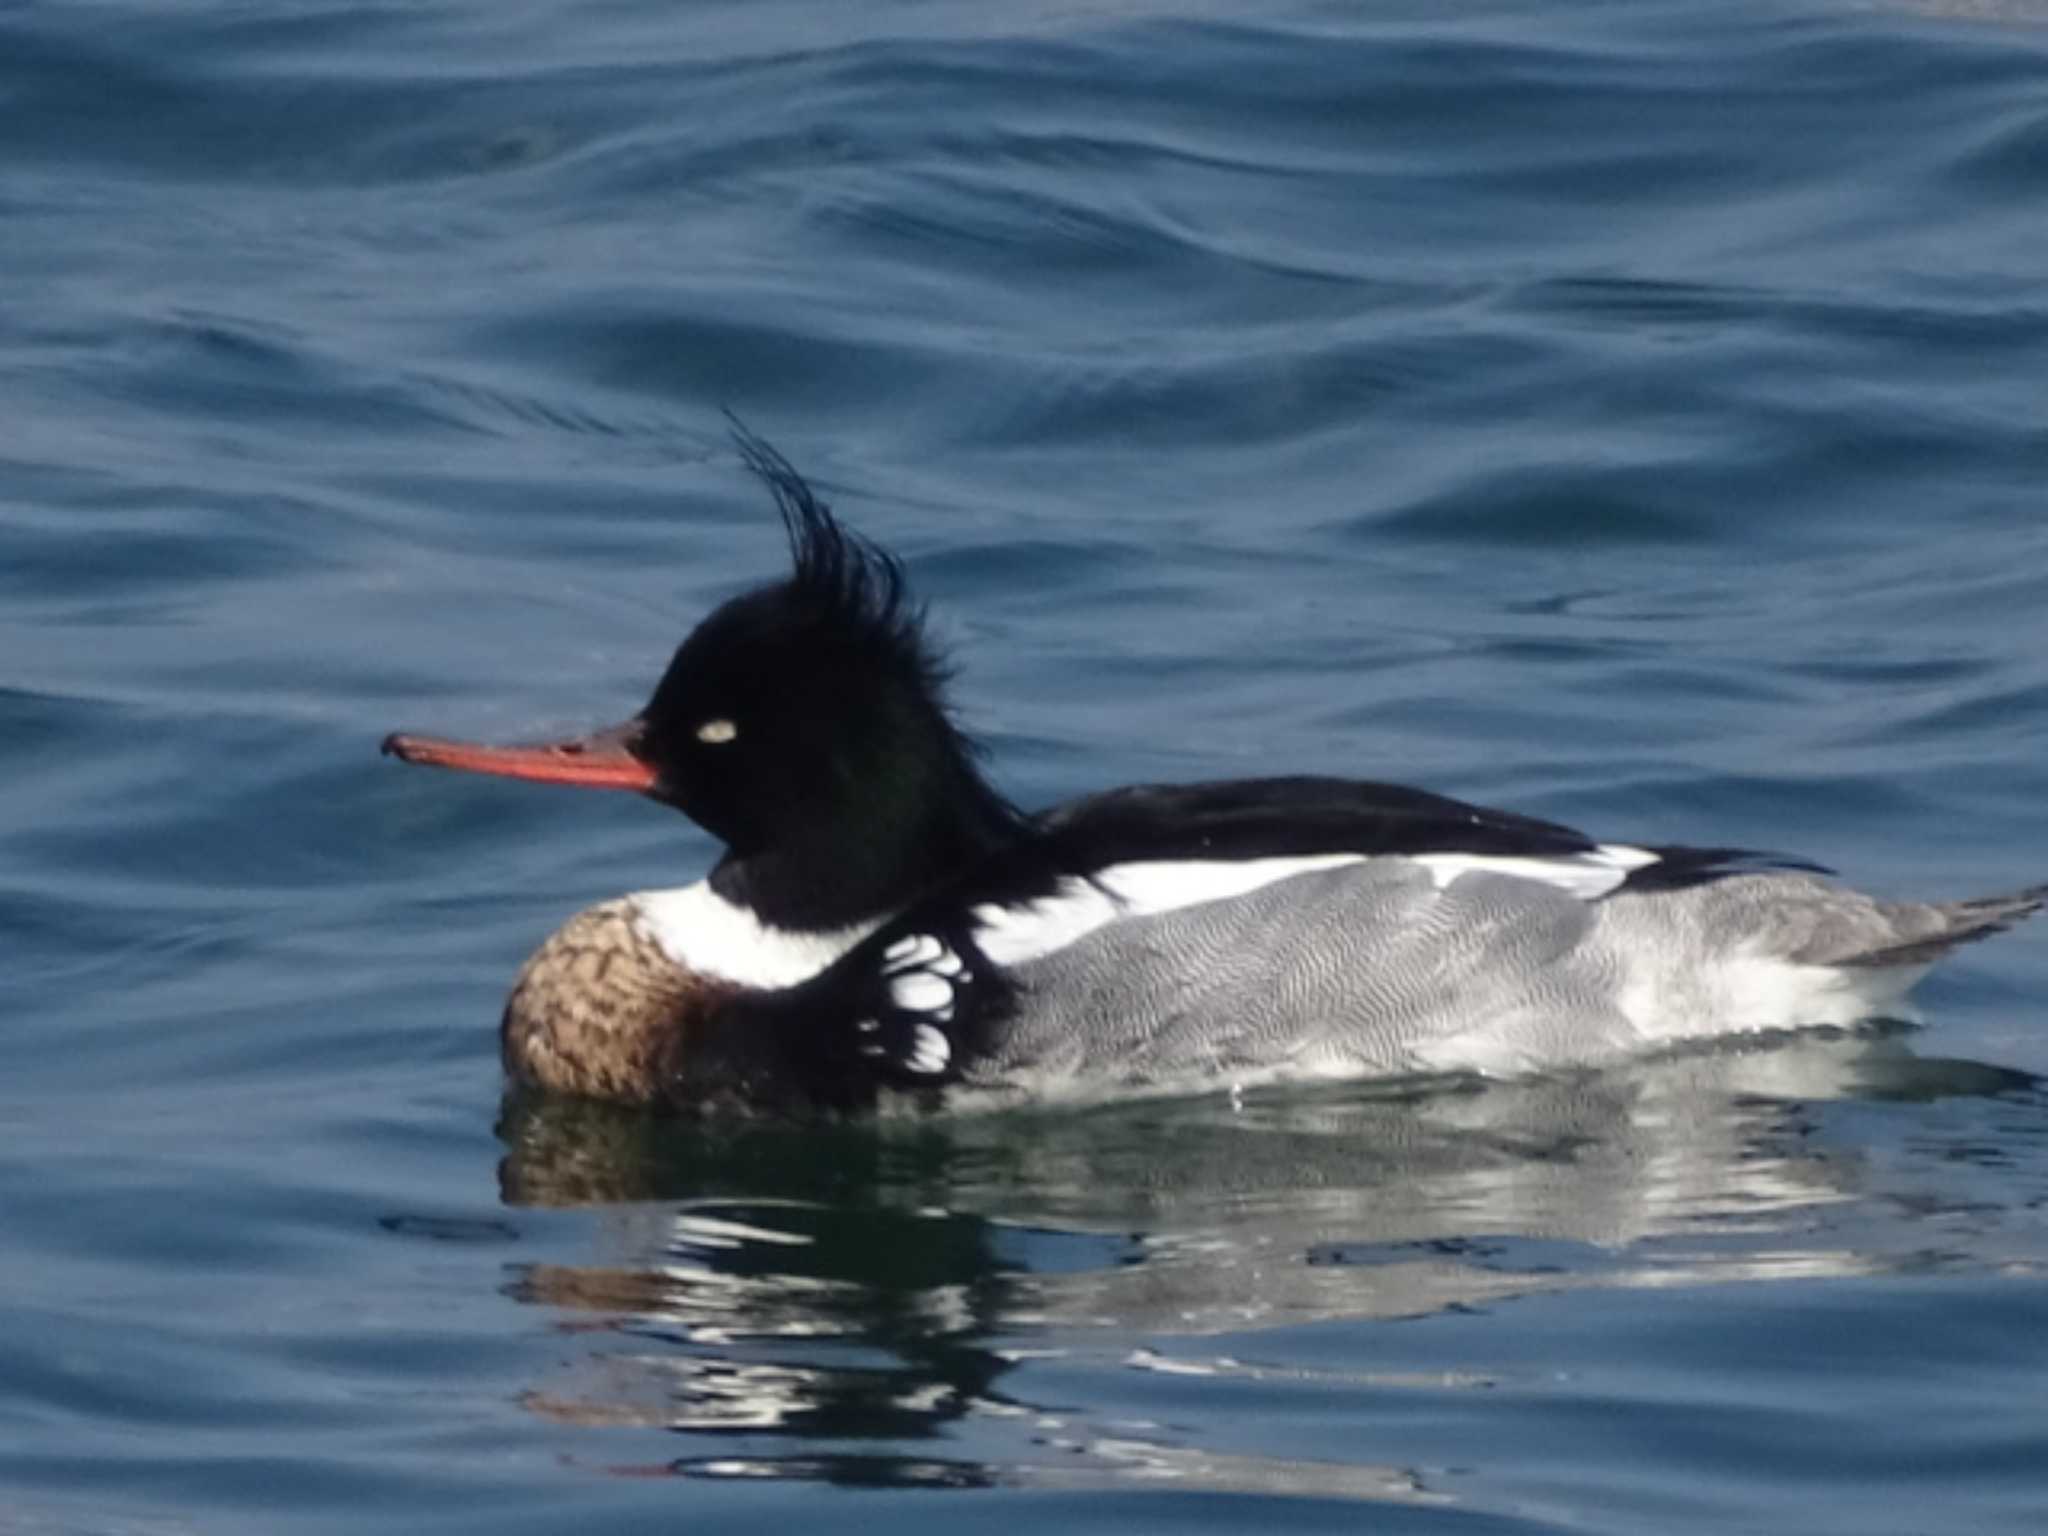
x=717 y=732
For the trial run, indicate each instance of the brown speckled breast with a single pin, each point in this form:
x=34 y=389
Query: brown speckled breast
x=601 y=1010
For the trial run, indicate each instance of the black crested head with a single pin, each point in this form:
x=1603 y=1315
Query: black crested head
x=804 y=724
x=853 y=589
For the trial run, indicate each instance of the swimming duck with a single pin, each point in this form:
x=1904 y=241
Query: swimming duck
x=883 y=920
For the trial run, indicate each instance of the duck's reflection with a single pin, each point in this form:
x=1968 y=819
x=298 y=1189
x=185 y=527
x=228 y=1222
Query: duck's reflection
x=855 y=1292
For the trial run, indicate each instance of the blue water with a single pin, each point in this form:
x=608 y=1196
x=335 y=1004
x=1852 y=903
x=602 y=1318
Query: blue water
x=1627 y=413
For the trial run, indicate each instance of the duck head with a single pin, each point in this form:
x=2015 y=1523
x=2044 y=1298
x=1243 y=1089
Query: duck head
x=803 y=724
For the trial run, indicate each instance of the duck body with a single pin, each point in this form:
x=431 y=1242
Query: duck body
x=883 y=922
x=1177 y=938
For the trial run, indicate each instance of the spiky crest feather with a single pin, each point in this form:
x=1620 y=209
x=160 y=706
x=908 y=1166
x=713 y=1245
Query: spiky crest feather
x=851 y=582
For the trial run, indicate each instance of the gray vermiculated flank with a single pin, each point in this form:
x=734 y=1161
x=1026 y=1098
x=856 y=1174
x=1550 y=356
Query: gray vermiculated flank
x=1370 y=968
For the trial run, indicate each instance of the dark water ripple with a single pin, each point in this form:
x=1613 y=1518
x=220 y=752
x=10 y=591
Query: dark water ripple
x=1629 y=413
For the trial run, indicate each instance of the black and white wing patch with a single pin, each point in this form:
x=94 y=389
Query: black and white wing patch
x=1253 y=821
x=914 y=1035
x=1607 y=868
x=1588 y=875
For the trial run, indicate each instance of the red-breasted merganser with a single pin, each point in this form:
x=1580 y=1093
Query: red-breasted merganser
x=882 y=919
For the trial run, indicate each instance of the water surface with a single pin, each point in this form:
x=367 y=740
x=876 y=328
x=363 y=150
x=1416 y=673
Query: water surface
x=1629 y=414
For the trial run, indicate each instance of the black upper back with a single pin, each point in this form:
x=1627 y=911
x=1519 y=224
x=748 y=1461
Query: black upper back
x=1301 y=817
x=1297 y=816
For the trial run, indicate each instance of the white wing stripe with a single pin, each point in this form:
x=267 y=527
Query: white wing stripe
x=1588 y=875
x=1011 y=935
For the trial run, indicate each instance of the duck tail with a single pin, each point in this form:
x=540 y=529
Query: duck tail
x=1924 y=933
